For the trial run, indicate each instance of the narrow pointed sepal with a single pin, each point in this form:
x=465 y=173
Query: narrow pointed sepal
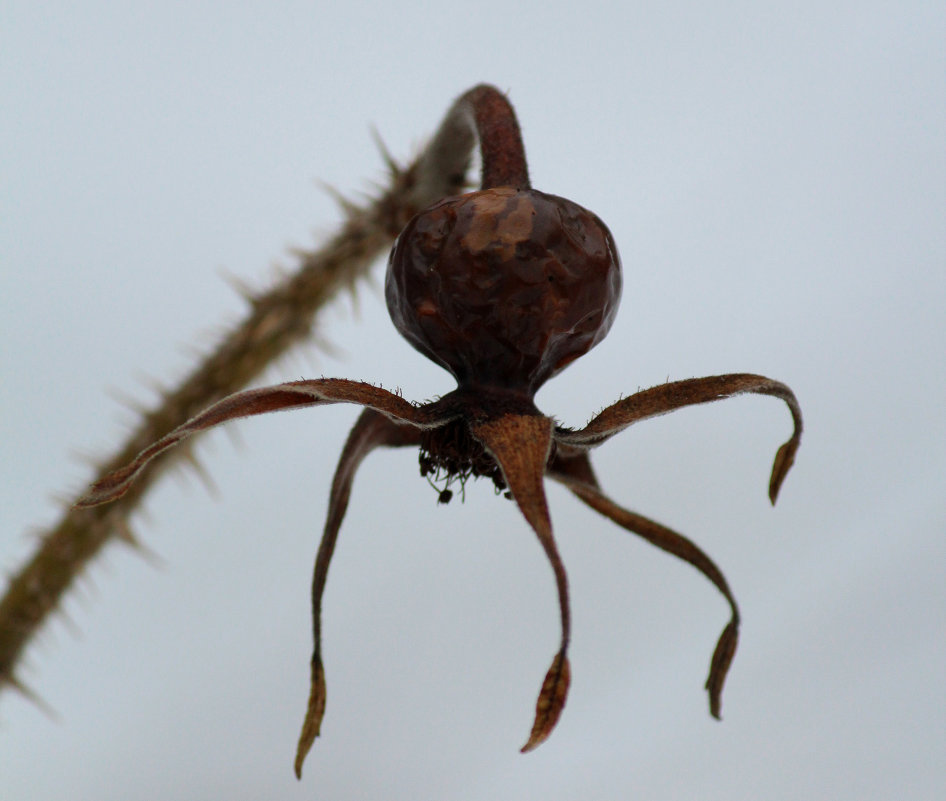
x=281 y=397
x=574 y=470
x=690 y=392
x=551 y=701
x=719 y=666
x=784 y=459
x=372 y=430
x=521 y=445
x=313 y=715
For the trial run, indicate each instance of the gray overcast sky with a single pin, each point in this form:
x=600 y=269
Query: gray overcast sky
x=774 y=176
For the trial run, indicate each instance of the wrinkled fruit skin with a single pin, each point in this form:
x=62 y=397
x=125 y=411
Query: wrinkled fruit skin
x=504 y=287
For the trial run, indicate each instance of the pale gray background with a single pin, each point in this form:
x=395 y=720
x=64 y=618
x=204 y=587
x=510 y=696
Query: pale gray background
x=774 y=176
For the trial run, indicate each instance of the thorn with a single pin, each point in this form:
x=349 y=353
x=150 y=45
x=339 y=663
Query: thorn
x=349 y=209
x=372 y=282
x=302 y=254
x=35 y=535
x=30 y=695
x=197 y=466
x=86 y=590
x=68 y=622
x=60 y=498
x=126 y=535
x=352 y=287
x=87 y=458
x=236 y=438
x=307 y=359
x=393 y=167
x=152 y=384
x=192 y=351
x=238 y=285
x=280 y=272
x=322 y=343
x=127 y=401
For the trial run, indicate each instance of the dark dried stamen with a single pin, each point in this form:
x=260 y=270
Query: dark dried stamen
x=449 y=453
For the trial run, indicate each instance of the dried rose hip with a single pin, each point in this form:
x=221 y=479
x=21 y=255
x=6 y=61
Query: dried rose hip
x=504 y=287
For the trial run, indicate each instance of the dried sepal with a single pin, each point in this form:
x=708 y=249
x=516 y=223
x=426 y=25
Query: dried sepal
x=313 y=716
x=784 y=459
x=719 y=666
x=372 y=430
x=551 y=701
x=573 y=469
x=521 y=445
x=689 y=392
x=276 y=398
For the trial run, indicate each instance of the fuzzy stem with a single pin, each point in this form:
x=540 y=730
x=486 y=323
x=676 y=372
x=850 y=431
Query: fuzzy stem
x=487 y=111
x=278 y=319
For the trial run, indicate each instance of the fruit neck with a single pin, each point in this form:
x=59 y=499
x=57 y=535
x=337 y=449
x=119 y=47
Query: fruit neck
x=487 y=111
x=483 y=402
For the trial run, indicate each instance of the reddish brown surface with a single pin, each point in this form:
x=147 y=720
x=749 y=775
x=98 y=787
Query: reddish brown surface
x=504 y=287
x=501 y=149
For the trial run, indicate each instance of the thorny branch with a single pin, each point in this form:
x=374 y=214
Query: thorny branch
x=278 y=319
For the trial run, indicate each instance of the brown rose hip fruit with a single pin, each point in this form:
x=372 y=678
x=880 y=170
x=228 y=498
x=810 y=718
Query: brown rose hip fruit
x=504 y=287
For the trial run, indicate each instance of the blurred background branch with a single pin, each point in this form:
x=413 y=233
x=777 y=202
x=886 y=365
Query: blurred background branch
x=278 y=319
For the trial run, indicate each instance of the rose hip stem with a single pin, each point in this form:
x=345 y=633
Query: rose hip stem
x=486 y=110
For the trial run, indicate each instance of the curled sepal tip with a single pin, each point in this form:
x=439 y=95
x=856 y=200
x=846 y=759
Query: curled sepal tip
x=551 y=701
x=690 y=392
x=784 y=459
x=313 y=715
x=719 y=666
